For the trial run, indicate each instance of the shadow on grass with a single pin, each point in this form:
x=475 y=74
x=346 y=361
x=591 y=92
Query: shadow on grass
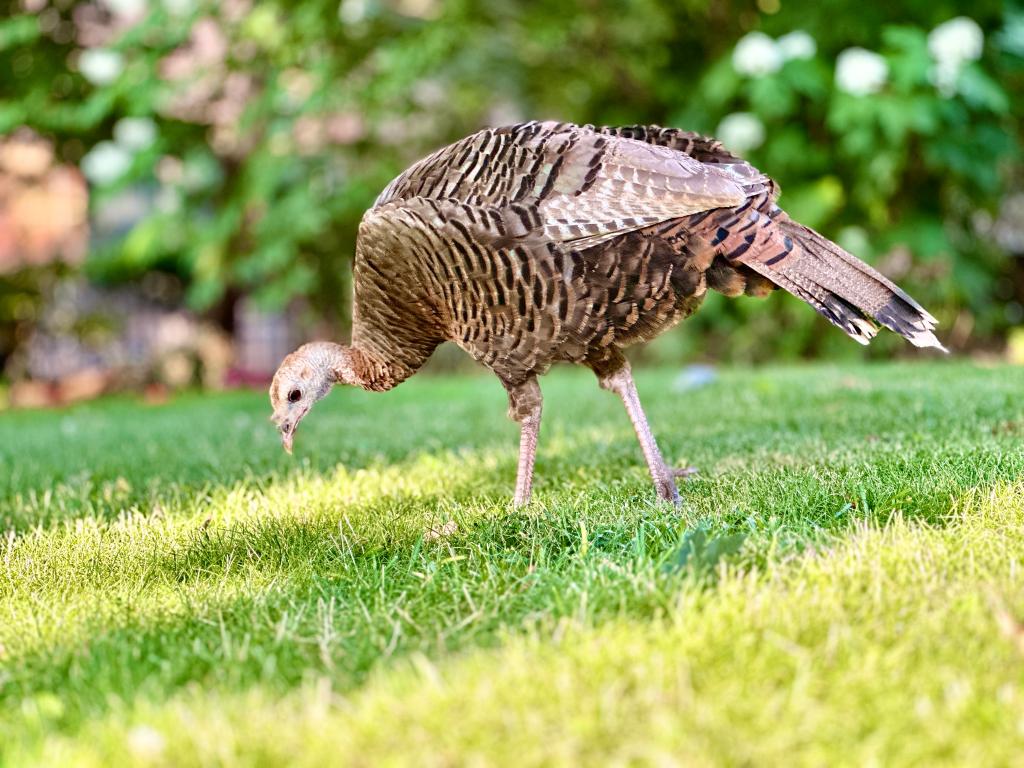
x=108 y=458
x=275 y=601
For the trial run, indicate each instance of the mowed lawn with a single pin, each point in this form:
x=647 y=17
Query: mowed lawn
x=843 y=584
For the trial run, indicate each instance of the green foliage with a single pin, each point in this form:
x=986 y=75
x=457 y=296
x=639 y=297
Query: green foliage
x=267 y=153
x=175 y=590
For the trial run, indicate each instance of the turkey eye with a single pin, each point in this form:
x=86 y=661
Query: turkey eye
x=294 y=396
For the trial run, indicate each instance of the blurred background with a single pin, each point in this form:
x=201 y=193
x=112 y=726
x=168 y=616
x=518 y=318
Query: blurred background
x=181 y=181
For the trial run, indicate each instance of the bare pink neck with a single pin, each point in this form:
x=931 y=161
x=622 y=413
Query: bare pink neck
x=362 y=368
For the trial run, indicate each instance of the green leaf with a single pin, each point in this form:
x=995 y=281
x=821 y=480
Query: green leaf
x=11 y=116
x=813 y=204
x=18 y=30
x=701 y=553
x=771 y=97
x=908 y=57
x=719 y=85
x=924 y=236
x=1011 y=37
x=808 y=77
x=982 y=92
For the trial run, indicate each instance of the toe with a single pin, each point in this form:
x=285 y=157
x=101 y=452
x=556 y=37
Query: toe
x=667 y=490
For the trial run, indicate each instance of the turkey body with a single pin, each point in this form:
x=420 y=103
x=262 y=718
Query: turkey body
x=544 y=242
x=501 y=244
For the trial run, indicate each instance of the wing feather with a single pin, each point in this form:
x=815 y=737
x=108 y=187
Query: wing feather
x=578 y=187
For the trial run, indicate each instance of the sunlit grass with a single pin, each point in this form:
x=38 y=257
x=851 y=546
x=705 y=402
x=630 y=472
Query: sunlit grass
x=174 y=589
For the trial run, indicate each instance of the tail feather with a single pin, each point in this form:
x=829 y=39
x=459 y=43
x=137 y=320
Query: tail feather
x=841 y=287
x=759 y=237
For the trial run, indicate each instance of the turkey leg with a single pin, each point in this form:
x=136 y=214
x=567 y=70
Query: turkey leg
x=524 y=406
x=621 y=383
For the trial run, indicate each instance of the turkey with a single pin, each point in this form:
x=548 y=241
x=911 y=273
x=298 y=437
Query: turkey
x=544 y=242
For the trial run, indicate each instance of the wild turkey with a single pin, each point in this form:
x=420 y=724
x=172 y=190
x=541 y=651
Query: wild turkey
x=544 y=242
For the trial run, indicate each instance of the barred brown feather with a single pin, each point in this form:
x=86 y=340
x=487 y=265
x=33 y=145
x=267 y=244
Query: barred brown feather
x=541 y=242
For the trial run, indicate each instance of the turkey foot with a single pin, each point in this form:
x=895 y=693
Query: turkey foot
x=665 y=486
x=621 y=383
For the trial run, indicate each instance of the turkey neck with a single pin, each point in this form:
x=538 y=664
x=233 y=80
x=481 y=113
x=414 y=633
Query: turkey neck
x=364 y=368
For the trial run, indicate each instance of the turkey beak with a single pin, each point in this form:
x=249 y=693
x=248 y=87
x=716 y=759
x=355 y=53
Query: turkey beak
x=287 y=436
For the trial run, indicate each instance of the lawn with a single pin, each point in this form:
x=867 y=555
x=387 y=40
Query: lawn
x=842 y=585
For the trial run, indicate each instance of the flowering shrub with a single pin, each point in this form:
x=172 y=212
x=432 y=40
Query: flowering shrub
x=903 y=154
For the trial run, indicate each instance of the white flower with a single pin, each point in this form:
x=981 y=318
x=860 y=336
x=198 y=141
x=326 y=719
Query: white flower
x=756 y=54
x=352 y=11
x=127 y=8
x=106 y=162
x=861 y=72
x=957 y=40
x=952 y=44
x=741 y=131
x=797 y=45
x=100 y=66
x=179 y=7
x=944 y=75
x=135 y=133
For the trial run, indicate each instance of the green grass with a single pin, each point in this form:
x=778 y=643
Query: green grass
x=174 y=590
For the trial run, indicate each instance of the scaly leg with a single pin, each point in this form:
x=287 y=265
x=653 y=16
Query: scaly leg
x=621 y=383
x=524 y=406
